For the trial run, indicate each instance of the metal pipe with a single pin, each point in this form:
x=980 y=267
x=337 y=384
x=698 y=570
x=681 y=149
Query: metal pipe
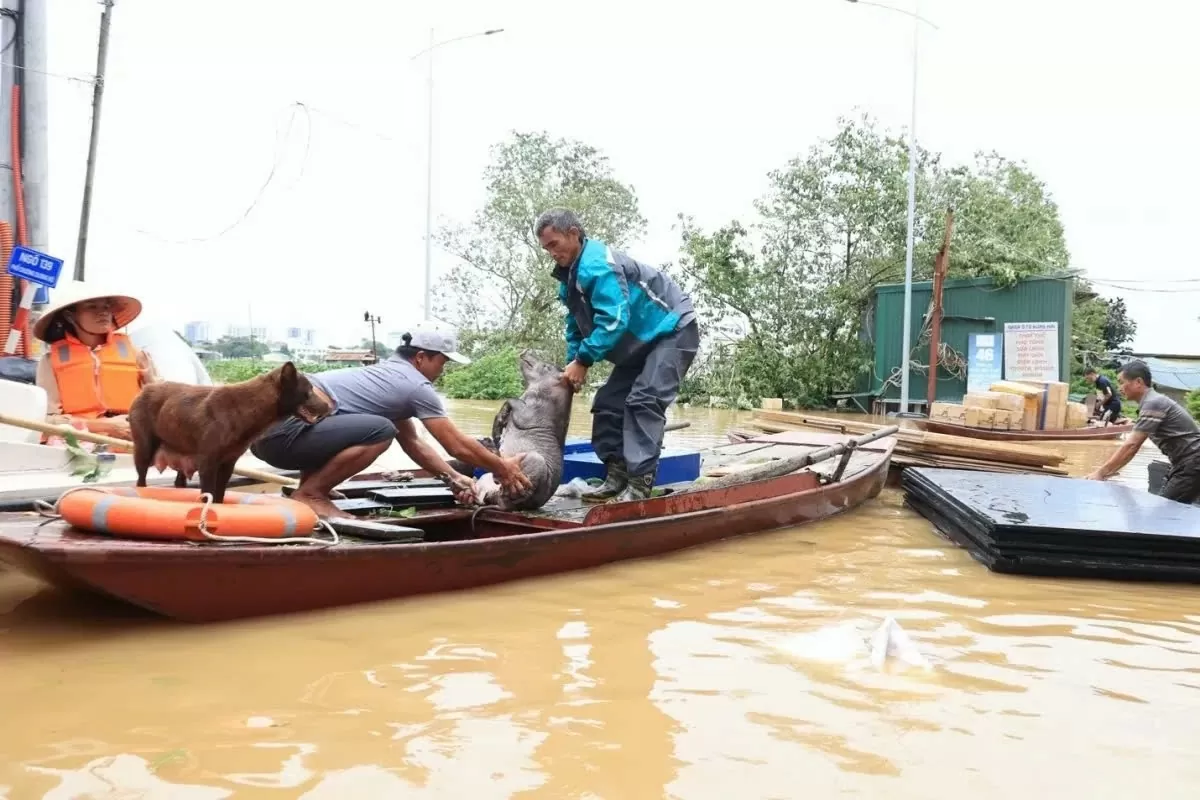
x=428 y=307
x=906 y=334
x=906 y=360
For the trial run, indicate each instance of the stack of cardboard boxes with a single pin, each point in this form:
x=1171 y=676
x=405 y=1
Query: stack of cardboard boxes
x=1015 y=406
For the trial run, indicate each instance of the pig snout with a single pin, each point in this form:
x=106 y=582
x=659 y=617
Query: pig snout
x=487 y=491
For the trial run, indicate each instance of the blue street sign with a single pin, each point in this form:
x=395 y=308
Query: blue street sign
x=985 y=360
x=35 y=267
x=42 y=296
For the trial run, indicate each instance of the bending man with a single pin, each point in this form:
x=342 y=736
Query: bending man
x=639 y=319
x=1110 y=399
x=372 y=405
x=1168 y=425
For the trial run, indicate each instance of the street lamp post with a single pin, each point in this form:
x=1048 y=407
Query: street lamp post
x=433 y=45
x=906 y=337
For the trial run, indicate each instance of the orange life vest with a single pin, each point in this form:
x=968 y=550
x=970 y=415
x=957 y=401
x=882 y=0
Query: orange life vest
x=91 y=382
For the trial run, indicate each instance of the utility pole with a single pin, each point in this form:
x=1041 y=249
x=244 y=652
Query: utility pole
x=85 y=211
x=374 y=347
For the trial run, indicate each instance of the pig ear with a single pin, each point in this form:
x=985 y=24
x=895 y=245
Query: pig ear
x=501 y=420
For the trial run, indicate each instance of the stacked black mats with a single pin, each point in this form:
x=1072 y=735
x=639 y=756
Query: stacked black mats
x=1059 y=527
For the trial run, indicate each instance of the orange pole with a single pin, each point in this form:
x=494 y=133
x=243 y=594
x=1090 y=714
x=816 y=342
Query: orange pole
x=940 y=266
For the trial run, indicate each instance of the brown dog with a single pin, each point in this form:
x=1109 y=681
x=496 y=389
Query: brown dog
x=208 y=428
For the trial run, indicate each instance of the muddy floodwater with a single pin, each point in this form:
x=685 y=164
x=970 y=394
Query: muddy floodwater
x=732 y=671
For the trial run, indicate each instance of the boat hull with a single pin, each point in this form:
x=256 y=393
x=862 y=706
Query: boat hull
x=1075 y=434
x=216 y=583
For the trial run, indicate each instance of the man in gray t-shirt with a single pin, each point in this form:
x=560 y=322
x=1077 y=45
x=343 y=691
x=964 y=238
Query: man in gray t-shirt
x=1165 y=423
x=372 y=405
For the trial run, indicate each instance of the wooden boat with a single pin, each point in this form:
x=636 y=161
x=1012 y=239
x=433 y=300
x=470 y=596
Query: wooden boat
x=1072 y=434
x=461 y=548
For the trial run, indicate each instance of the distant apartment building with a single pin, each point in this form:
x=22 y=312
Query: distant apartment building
x=300 y=336
x=196 y=332
x=305 y=344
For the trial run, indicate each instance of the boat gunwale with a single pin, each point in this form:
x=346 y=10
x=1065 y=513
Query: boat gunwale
x=145 y=551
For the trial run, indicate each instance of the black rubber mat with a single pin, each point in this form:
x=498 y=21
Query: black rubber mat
x=356 y=489
x=405 y=496
x=1035 y=525
x=378 y=531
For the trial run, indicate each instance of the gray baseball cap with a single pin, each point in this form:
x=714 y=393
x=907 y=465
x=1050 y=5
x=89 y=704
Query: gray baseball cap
x=439 y=339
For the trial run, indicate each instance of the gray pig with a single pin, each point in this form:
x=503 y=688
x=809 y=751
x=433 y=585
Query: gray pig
x=536 y=425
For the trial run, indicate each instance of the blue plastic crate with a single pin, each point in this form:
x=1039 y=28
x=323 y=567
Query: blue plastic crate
x=674 y=466
x=580 y=461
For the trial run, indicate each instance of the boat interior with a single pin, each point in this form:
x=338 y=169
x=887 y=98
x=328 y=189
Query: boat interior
x=405 y=508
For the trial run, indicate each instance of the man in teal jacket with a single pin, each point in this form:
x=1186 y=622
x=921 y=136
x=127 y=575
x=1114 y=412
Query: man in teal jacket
x=639 y=319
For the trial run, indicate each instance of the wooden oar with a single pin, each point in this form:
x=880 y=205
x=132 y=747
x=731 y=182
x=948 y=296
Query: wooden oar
x=677 y=426
x=786 y=466
x=96 y=438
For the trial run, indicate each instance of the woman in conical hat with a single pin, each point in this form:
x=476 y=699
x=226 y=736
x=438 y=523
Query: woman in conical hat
x=91 y=371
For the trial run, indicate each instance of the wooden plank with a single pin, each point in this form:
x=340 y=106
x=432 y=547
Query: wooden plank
x=918 y=447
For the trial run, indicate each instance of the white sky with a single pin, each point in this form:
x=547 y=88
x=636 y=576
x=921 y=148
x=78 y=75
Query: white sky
x=693 y=103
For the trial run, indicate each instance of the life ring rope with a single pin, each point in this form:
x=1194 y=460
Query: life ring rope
x=53 y=512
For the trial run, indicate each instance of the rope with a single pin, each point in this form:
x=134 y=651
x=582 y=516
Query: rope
x=476 y=514
x=51 y=512
x=207 y=534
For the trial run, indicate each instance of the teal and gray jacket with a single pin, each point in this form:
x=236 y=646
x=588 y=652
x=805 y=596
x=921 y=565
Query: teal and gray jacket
x=617 y=307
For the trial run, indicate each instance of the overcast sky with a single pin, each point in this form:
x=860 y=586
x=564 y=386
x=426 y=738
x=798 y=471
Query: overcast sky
x=693 y=103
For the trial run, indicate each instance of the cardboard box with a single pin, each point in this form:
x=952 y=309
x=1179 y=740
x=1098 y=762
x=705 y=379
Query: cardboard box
x=1006 y=420
x=1031 y=399
x=1052 y=413
x=981 y=417
x=948 y=412
x=1077 y=415
x=979 y=400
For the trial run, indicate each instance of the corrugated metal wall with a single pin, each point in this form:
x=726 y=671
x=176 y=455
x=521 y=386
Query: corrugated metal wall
x=970 y=306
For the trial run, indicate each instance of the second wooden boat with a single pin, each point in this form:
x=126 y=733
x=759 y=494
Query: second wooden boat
x=1073 y=434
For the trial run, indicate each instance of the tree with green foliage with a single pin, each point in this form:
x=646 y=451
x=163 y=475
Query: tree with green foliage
x=1119 y=327
x=831 y=228
x=494 y=376
x=503 y=292
x=1193 y=403
x=502 y=295
x=1099 y=326
x=1006 y=226
x=240 y=347
x=381 y=349
x=243 y=369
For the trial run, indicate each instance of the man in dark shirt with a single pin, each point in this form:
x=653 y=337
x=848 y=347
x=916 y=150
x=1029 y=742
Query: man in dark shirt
x=1168 y=425
x=1110 y=399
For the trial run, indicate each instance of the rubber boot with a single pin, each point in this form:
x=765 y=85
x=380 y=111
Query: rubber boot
x=616 y=478
x=639 y=487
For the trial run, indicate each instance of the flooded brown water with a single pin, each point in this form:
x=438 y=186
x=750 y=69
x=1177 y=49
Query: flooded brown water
x=732 y=671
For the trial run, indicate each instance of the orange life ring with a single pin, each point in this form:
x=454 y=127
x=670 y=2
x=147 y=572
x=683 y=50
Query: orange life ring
x=154 y=512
